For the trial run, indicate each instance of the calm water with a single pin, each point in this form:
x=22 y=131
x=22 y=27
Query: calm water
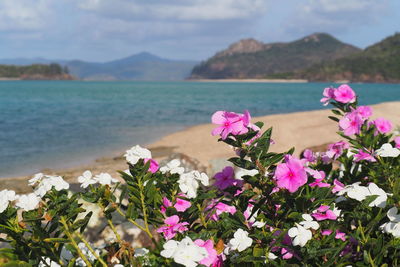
x=46 y=124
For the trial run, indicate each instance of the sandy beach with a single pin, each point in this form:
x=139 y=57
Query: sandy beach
x=300 y=130
x=250 y=80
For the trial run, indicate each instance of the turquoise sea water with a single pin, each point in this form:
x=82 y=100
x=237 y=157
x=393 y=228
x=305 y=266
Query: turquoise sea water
x=50 y=124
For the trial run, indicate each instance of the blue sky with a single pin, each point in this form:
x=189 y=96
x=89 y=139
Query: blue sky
x=101 y=30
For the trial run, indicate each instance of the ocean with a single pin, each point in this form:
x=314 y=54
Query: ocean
x=56 y=124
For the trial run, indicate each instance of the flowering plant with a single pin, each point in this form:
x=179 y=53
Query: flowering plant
x=339 y=207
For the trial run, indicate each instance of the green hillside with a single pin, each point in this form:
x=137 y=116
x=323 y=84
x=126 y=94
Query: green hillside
x=252 y=59
x=377 y=63
x=35 y=72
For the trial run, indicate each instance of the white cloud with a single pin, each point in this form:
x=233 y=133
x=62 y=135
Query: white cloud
x=335 y=16
x=186 y=10
x=23 y=15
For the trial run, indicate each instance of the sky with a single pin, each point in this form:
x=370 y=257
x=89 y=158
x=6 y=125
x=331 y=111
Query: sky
x=103 y=30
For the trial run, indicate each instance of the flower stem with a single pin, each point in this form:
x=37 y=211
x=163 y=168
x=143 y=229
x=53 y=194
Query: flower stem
x=91 y=249
x=70 y=237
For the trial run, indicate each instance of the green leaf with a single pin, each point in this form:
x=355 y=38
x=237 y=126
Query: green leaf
x=333 y=118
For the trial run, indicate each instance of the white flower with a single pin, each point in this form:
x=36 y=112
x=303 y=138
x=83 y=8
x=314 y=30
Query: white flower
x=393 y=226
x=6 y=196
x=300 y=234
x=48 y=262
x=135 y=153
x=173 y=167
x=252 y=219
x=35 y=179
x=105 y=179
x=189 y=182
x=185 y=252
x=27 y=202
x=272 y=256
x=243 y=172
x=139 y=252
x=387 y=150
x=240 y=240
x=86 y=179
x=47 y=182
x=189 y=254
x=202 y=177
x=309 y=222
x=170 y=247
x=380 y=201
x=355 y=191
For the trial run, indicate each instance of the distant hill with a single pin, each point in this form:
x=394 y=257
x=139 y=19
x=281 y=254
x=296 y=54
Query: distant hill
x=250 y=58
x=35 y=72
x=142 y=66
x=377 y=63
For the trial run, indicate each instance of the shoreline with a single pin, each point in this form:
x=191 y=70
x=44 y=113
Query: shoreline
x=301 y=130
x=250 y=80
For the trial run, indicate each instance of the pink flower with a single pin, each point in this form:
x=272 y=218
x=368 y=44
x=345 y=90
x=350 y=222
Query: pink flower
x=181 y=205
x=326 y=232
x=173 y=226
x=319 y=183
x=166 y=203
x=329 y=93
x=324 y=213
x=226 y=178
x=340 y=235
x=338 y=186
x=153 y=165
x=219 y=208
x=344 y=94
x=230 y=123
x=397 y=142
x=351 y=123
x=383 y=125
x=212 y=253
x=335 y=150
x=291 y=175
x=361 y=155
x=309 y=156
x=364 y=111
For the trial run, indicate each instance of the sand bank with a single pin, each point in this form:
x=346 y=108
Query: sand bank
x=251 y=80
x=300 y=130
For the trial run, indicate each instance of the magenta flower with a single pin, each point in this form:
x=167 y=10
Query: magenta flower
x=230 y=123
x=338 y=186
x=364 y=111
x=181 y=205
x=166 y=203
x=351 y=123
x=397 y=142
x=362 y=155
x=173 y=226
x=335 y=150
x=326 y=232
x=319 y=183
x=309 y=156
x=212 y=253
x=324 y=213
x=383 y=125
x=329 y=93
x=291 y=175
x=340 y=235
x=219 y=208
x=344 y=94
x=153 y=165
x=226 y=178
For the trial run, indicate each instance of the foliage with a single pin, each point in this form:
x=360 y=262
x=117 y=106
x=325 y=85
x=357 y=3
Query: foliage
x=13 y=71
x=335 y=208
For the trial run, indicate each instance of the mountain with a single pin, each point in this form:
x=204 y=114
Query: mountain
x=250 y=58
x=377 y=63
x=142 y=66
